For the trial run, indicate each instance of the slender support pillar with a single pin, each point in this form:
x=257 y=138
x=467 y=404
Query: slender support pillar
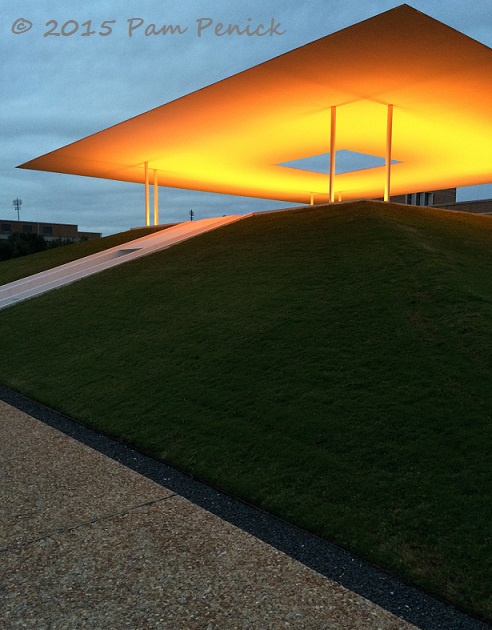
x=311 y=203
x=156 y=197
x=333 y=153
x=147 y=196
x=389 y=141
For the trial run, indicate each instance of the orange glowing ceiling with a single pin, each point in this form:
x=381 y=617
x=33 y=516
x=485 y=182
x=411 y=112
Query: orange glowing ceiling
x=232 y=136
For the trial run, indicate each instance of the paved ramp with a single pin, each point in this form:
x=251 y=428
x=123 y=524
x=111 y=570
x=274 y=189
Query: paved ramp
x=71 y=272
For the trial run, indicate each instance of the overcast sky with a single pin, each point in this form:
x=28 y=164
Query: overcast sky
x=58 y=89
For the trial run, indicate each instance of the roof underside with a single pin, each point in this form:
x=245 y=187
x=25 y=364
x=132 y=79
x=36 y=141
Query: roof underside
x=231 y=137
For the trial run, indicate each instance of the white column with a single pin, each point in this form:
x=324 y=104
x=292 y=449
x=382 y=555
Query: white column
x=333 y=153
x=389 y=142
x=156 y=198
x=311 y=203
x=147 y=197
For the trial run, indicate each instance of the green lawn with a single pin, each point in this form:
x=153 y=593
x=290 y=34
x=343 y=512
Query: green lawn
x=332 y=366
x=16 y=268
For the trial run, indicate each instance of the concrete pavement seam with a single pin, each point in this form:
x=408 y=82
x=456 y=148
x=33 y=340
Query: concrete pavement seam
x=61 y=530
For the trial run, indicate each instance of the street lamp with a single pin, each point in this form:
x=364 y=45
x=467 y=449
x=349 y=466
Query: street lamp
x=17 y=204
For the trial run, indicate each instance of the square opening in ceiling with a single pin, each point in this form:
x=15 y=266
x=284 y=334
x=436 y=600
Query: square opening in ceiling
x=346 y=162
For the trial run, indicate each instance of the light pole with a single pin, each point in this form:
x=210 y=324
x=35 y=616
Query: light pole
x=17 y=204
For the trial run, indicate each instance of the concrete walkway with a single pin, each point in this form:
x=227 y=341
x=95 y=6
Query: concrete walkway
x=87 y=543
x=39 y=283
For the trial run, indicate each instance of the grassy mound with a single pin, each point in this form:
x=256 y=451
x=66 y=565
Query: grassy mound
x=331 y=365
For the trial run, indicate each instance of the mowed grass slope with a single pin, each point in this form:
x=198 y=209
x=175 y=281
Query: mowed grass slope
x=332 y=366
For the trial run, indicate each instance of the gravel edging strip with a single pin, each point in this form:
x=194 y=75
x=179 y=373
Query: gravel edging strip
x=381 y=588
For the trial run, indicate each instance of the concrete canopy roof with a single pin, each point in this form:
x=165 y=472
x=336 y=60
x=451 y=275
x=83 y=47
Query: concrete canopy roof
x=232 y=136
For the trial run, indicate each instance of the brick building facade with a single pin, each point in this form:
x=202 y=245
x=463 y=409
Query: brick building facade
x=445 y=199
x=428 y=198
x=49 y=231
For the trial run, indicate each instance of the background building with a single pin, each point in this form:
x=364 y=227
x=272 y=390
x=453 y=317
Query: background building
x=428 y=198
x=445 y=199
x=49 y=231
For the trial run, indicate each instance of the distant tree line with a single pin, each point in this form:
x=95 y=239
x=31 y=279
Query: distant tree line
x=20 y=244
